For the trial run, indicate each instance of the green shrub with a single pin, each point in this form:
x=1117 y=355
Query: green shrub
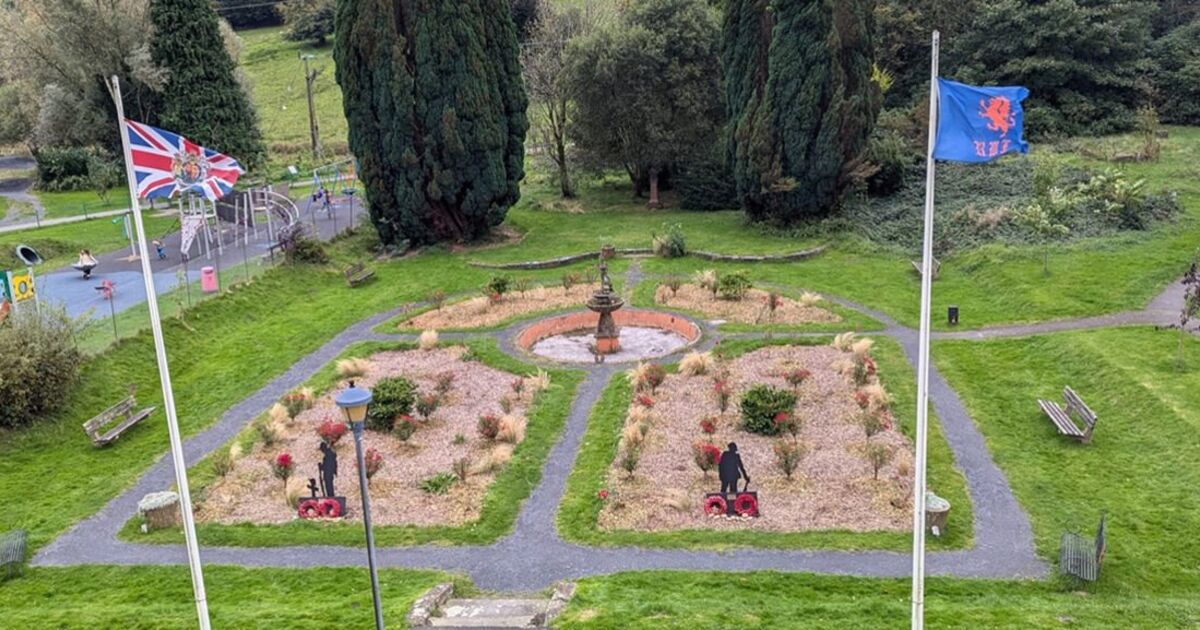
x=63 y=168
x=894 y=161
x=760 y=404
x=438 y=484
x=733 y=285
x=393 y=397
x=299 y=247
x=669 y=244
x=497 y=286
x=704 y=182
x=39 y=365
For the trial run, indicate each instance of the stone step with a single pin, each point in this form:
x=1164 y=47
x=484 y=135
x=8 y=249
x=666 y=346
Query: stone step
x=478 y=623
x=463 y=609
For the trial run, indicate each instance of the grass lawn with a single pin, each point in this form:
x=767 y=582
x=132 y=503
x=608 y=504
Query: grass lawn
x=78 y=202
x=277 y=77
x=504 y=497
x=580 y=507
x=1141 y=466
x=60 y=244
x=694 y=601
x=148 y=598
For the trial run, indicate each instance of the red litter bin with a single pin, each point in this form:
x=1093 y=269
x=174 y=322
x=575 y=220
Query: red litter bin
x=208 y=280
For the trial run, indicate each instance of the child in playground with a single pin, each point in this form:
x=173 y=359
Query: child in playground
x=86 y=263
x=159 y=249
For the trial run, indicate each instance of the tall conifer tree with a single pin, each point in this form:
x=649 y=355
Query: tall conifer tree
x=800 y=99
x=436 y=108
x=202 y=98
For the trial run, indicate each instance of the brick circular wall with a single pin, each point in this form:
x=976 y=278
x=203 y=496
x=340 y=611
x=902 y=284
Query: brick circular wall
x=586 y=320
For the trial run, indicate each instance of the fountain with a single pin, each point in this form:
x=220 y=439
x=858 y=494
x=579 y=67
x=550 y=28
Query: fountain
x=631 y=334
x=604 y=301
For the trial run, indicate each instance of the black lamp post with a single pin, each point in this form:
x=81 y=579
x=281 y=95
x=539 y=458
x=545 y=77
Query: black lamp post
x=353 y=402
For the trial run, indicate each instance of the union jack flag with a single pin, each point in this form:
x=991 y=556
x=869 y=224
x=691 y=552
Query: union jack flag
x=165 y=163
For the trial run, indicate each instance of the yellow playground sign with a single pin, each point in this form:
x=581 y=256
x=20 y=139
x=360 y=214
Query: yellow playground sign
x=21 y=284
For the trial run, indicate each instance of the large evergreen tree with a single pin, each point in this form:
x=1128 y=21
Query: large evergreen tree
x=1084 y=61
x=436 y=108
x=202 y=98
x=800 y=100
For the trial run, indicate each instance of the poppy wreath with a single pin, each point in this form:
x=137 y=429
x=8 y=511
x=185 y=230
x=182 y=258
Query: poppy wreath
x=715 y=506
x=330 y=508
x=745 y=505
x=310 y=508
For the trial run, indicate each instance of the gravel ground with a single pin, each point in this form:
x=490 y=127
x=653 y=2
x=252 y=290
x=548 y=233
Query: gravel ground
x=480 y=311
x=752 y=309
x=833 y=488
x=250 y=493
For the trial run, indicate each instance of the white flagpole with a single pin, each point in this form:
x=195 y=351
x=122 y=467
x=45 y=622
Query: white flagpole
x=918 y=559
x=164 y=374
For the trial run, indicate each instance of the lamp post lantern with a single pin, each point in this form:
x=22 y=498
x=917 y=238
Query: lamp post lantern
x=353 y=401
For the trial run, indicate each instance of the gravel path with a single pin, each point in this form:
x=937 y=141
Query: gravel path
x=533 y=556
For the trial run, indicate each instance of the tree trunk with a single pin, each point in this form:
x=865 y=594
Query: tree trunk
x=654 y=201
x=564 y=177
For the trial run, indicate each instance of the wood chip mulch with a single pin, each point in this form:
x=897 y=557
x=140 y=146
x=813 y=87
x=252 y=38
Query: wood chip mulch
x=481 y=311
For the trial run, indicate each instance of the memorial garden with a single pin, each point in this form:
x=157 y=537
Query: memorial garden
x=612 y=384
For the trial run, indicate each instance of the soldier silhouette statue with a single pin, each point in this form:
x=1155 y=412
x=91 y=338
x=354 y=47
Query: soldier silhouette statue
x=731 y=469
x=328 y=469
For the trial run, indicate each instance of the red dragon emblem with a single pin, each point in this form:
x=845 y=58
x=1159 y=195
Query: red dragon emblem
x=998 y=111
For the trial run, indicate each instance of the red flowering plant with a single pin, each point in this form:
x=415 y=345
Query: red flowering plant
x=488 y=426
x=787 y=422
x=282 y=467
x=862 y=398
x=706 y=456
x=644 y=400
x=374 y=462
x=518 y=386
x=723 y=392
x=708 y=426
x=796 y=377
x=331 y=431
x=603 y=494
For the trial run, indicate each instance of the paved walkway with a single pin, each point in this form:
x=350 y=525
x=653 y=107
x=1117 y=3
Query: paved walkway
x=533 y=556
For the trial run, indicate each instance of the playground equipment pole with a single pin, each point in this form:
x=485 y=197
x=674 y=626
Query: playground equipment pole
x=164 y=374
x=310 y=77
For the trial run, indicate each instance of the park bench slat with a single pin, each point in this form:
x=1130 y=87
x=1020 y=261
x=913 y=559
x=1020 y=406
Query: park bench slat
x=1080 y=408
x=357 y=274
x=1060 y=418
x=122 y=413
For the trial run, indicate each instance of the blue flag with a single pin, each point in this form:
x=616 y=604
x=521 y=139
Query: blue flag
x=979 y=124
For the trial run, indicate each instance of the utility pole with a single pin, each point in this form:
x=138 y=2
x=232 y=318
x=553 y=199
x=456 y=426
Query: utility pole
x=310 y=78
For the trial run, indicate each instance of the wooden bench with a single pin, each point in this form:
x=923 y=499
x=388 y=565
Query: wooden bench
x=12 y=552
x=121 y=416
x=1061 y=416
x=937 y=267
x=357 y=274
x=1081 y=558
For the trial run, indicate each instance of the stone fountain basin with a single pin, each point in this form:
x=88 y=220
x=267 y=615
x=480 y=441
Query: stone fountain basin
x=583 y=324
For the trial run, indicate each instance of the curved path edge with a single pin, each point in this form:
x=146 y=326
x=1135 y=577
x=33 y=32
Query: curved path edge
x=533 y=555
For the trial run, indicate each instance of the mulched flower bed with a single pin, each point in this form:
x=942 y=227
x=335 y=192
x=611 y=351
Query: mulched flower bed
x=251 y=494
x=751 y=309
x=482 y=311
x=833 y=487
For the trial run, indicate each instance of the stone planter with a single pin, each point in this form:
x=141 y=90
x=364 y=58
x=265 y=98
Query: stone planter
x=937 y=512
x=160 y=510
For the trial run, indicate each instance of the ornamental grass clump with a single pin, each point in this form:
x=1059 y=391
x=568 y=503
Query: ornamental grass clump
x=874 y=398
x=297 y=402
x=788 y=454
x=844 y=341
x=707 y=279
x=511 y=429
x=706 y=455
x=438 y=484
x=761 y=404
x=538 y=382
x=331 y=431
x=428 y=340
x=221 y=463
x=809 y=299
x=647 y=377
x=353 y=368
x=697 y=364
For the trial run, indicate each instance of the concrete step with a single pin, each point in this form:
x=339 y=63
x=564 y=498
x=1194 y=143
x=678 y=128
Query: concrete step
x=478 y=623
x=489 y=613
